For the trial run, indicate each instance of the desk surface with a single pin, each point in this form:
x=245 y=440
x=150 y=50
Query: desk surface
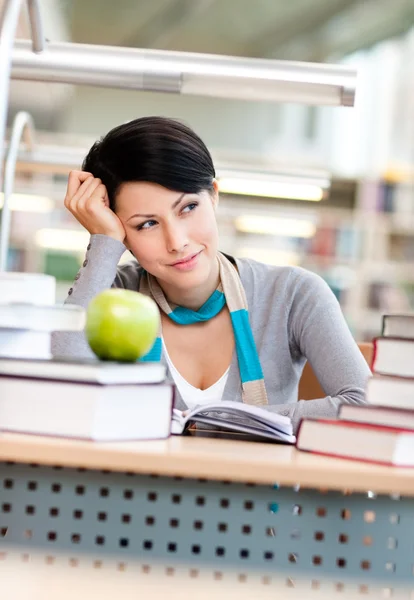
x=219 y=459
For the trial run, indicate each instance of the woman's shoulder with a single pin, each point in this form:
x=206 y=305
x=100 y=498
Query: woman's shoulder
x=128 y=275
x=294 y=289
x=253 y=272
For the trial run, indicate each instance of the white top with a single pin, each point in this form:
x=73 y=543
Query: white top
x=190 y=394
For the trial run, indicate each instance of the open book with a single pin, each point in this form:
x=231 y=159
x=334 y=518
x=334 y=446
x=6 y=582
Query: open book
x=235 y=416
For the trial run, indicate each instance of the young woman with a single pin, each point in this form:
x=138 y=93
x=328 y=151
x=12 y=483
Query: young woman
x=243 y=330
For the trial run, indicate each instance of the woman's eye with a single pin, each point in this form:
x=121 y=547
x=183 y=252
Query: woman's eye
x=189 y=207
x=146 y=225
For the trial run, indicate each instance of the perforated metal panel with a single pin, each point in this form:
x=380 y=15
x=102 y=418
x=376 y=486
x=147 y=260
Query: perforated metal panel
x=270 y=531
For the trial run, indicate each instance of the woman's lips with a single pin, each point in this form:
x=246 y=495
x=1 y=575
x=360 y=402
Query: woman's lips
x=187 y=263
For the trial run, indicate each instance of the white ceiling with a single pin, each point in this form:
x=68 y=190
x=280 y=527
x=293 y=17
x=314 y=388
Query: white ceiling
x=316 y=30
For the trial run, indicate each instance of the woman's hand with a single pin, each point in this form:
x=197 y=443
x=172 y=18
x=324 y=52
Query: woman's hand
x=87 y=199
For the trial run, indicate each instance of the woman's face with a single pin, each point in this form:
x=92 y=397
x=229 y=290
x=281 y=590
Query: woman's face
x=172 y=235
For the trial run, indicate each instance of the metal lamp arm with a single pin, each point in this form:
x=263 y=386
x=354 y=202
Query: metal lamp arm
x=23 y=127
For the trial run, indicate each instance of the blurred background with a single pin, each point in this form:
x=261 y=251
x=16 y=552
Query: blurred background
x=357 y=231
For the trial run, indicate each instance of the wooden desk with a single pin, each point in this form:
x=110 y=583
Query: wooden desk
x=217 y=459
x=207 y=509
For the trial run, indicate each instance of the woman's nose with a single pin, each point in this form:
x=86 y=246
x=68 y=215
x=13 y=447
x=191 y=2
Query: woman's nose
x=176 y=239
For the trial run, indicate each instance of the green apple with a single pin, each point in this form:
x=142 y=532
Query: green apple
x=121 y=325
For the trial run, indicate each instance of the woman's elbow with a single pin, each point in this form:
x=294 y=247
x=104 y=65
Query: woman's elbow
x=353 y=395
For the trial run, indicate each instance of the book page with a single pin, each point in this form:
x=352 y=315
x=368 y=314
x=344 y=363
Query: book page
x=219 y=417
x=178 y=421
x=242 y=413
x=268 y=433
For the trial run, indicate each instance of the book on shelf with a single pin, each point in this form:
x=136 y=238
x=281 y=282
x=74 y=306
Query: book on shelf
x=386 y=196
x=236 y=416
x=347 y=241
x=324 y=241
x=357 y=441
x=393 y=356
x=400 y=246
x=377 y=415
x=388 y=192
x=86 y=410
x=386 y=297
x=398 y=325
x=87 y=370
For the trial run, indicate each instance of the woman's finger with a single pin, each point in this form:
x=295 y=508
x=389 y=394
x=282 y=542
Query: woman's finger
x=96 y=200
x=89 y=192
x=75 y=179
x=87 y=185
x=106 y=199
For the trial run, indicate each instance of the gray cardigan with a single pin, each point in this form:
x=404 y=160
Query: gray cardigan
x=294 y=317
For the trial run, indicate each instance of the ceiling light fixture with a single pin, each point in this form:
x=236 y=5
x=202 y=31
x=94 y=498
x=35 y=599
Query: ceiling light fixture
x=29 y=203
x=266 y=225
x=285 y=183
x=186 y=73
x=269 y=256
x=268 y=188
x=62 y=239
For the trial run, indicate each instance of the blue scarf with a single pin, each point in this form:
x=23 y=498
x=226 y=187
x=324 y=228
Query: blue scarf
x=230 y=291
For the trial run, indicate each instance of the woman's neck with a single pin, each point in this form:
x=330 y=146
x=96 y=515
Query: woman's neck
x=195 y=297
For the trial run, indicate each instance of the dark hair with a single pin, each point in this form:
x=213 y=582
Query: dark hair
x=154 y=149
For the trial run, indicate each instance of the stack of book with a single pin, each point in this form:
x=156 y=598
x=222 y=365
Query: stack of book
x=382 y=430
x=88 y=399
x=26 y=325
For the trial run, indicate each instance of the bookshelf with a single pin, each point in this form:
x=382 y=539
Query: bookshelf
x=363 y=247
x=365 y=251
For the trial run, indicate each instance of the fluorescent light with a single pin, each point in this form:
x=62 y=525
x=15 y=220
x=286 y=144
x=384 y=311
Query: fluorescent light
x=275 y=226
x=270 y=189
x=62 y=239
x=29 y=203
x=186 y=73
x=269 y=257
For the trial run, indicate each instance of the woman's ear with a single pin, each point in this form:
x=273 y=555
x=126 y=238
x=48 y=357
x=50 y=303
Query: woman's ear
x=215 y=194
x=127 y=246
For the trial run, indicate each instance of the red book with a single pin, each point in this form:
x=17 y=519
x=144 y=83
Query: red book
x=390 y=391
x=377 y=415
x=357 y=441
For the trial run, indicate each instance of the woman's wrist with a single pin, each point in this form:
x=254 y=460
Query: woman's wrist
x=111 y=236
x=115 y=235
x=109 y=246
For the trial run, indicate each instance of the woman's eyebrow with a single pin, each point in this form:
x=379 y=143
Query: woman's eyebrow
x=140 y=215
x=175 y=204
